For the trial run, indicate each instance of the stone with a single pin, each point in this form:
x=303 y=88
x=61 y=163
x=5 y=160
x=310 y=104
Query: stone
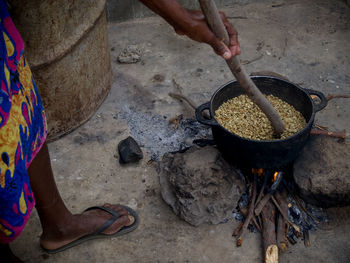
x=322 y=172
x=199 y=185
x=129 y=151
x=131 y=54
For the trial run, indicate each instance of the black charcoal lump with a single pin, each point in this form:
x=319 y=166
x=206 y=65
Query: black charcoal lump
x=129 y=151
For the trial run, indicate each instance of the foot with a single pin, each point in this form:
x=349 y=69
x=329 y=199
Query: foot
x=76 y=226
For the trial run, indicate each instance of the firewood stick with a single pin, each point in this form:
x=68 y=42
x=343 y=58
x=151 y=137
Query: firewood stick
x=250 y=213
x=238 y=229
x=297 y=200
x=340 y=135
x=306 y=237
x=297 y=228
x=282 y=224
x=269 y=233
x=182 y=97
x=262 y=203
x=244 y=212
x=333 y=96
x=259 y=221
x=261 y=194
x=179 y=96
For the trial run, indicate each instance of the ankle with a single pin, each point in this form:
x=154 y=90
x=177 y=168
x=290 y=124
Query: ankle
x=55 y=229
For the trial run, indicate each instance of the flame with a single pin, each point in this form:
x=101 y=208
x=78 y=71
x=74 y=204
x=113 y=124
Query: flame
x=258 y=171
x=275 y=176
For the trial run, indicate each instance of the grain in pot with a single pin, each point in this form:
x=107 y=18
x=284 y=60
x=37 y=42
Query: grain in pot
x=241 y=116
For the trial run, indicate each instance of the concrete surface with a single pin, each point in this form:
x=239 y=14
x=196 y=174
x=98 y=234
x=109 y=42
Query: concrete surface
x=307 y=41
x=121 y=10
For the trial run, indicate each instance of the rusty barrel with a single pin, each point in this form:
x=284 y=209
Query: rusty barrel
x=67 y=49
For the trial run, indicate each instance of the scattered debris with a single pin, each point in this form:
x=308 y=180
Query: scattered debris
x=176 y=121
x=131 y=54
x=158 y=78
x=129 y=151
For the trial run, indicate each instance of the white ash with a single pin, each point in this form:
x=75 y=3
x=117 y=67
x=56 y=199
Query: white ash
x=158 y=136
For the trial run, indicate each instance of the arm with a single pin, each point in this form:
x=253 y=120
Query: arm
x=192 y=24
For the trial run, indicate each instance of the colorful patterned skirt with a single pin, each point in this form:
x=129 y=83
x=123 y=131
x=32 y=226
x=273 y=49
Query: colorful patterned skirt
x=22 y=130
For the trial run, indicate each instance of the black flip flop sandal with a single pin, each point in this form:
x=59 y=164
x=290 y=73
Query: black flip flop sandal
x=98 y=233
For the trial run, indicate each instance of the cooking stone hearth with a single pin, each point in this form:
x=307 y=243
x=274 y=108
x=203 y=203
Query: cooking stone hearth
x=201 y=187
x=322 y=172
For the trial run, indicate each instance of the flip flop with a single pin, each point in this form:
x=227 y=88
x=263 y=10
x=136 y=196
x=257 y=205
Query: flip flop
x=98 y=233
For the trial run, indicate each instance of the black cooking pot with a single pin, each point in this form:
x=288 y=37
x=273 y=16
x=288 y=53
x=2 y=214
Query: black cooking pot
x=269 y=153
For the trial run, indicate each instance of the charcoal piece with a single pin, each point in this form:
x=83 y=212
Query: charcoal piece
x=129 y=151
x=322 y=172
x=199 y=185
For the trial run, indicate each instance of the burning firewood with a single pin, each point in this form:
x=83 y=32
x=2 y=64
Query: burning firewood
x=269 y=233
x=240 y=230
x=282 y=223
x=285 y=215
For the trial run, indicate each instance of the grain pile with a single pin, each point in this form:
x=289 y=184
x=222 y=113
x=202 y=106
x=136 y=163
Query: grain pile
x=244 y=118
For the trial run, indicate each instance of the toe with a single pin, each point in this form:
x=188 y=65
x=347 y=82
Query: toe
x=131 y=220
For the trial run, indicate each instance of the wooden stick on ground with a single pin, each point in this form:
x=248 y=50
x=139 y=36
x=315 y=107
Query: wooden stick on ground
x=269 y=233
x=340 y=135
x=217 y=26
x=180 y=96
x=333 y=96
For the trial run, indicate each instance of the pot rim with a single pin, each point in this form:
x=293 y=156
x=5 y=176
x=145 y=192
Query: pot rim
x=308 y=124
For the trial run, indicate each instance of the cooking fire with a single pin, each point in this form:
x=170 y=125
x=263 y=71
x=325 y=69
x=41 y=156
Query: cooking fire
x=270 y=207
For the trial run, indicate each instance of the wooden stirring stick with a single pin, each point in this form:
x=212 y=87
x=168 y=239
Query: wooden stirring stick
x=217 y=26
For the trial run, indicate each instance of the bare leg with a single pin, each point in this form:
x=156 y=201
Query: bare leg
x=59 y=225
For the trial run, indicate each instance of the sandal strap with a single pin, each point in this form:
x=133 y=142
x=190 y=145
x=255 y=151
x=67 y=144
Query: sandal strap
x=109 y=222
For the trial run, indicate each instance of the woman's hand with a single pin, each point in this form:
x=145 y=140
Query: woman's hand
x=198 y=30
x=192 y=24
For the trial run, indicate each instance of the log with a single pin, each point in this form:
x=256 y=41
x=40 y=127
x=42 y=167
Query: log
x=282 y=223
x=217 y=26
x=269 y=233
x=259 y=207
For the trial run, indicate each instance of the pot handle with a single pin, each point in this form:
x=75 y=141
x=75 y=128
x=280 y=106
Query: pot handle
x=201 y=119
x=321 y=96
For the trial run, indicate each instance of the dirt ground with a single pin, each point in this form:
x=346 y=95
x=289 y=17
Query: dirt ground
x=307 y=41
